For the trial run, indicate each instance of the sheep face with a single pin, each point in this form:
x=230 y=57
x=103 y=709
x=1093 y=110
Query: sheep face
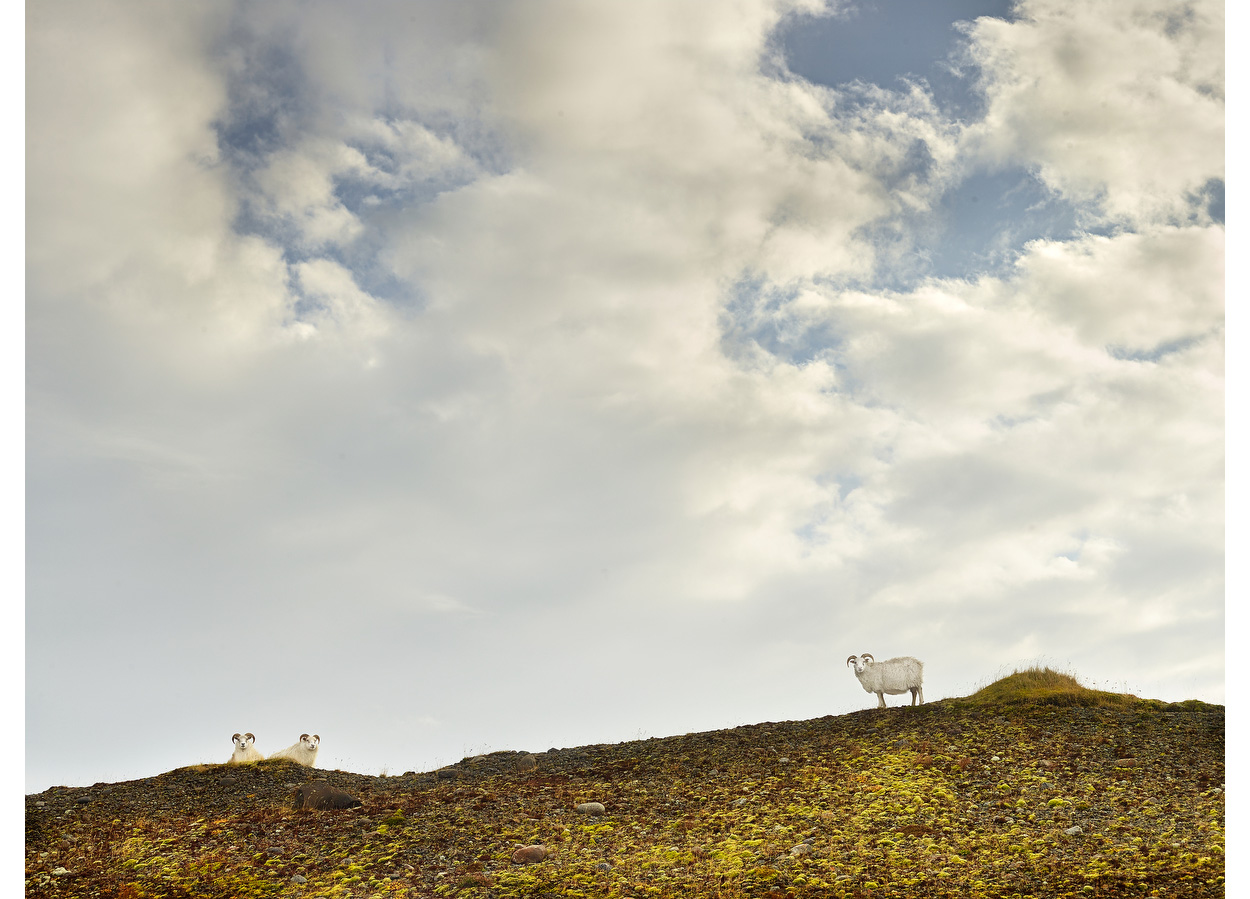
x=244 y=751
x=304 y=752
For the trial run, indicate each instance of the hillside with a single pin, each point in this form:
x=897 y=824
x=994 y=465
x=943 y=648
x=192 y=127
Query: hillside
x=1023 y=789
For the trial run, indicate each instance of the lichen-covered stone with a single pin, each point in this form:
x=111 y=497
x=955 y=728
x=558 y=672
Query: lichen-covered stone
x=319 y=796
x=528 y=855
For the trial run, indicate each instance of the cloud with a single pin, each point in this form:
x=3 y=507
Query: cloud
x=1119 y=104
x=1136 y=292
x=1016 y=457
x=558 y=345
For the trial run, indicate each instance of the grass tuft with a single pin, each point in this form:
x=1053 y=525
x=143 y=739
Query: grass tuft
x=1047 y=687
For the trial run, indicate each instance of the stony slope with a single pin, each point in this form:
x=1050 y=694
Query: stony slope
x=1026 y=792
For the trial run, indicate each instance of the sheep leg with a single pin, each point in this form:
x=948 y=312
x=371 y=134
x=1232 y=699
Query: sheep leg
x=880 y=700
x=920 y=690
x=913 y=694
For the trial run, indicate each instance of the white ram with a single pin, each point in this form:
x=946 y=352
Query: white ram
x=893 y=676
x=244 y=751
x=304 y=752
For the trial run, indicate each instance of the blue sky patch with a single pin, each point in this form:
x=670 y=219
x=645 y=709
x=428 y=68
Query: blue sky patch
x=890 y=42
x=982 y=223
x=757 y=314
x=267 y=99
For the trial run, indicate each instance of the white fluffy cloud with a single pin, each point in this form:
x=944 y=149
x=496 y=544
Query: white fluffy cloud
x=1118 y=103
x=534 y=341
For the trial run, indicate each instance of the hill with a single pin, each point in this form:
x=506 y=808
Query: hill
x=1023 y=789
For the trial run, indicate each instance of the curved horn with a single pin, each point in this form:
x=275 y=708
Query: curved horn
x=850 y=659
x=251 y=737
x=236 y=737
x=303 y=736
x=867 y=657
x=317 y=737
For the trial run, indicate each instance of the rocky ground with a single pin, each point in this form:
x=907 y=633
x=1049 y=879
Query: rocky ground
x=1030 y=794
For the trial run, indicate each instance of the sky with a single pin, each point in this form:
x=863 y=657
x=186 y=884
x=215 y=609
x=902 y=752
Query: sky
x=451 y=378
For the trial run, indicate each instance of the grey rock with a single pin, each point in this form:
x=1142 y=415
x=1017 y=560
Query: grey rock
x=603 y=866
x=59 y=871
x=591 y=808
x=298 y=878
x=738 y=803
x=1073 y=830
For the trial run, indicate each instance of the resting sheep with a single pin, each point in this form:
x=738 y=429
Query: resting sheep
x=244 y=751
x=304 y=752
x=892 y=676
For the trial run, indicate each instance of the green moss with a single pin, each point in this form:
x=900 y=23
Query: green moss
x=858 y=786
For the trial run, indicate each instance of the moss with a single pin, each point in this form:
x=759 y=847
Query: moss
x=960 y=825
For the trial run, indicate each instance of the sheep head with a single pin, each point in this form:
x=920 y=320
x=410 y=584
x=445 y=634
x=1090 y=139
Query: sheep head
x=860 y=662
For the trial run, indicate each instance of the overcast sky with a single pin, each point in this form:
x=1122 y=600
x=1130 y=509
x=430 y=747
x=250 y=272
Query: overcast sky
x=445 y=378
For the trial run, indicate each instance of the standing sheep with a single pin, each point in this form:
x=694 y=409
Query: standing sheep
x=244 y=751
x=304 y=752
x=892 y=676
